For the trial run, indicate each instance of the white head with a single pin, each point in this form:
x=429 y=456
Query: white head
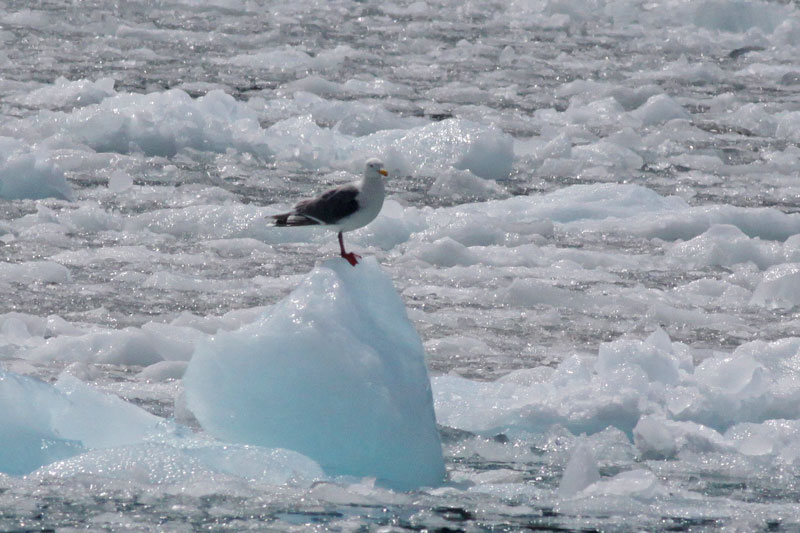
x=374 y=168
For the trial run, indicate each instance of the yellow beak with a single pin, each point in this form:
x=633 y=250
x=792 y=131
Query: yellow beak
x=383 y=172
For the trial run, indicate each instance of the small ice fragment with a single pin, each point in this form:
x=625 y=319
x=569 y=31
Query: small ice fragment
x=581 y=471
x=119 y=181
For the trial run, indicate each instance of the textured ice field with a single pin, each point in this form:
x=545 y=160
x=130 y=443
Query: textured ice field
x=592 y=222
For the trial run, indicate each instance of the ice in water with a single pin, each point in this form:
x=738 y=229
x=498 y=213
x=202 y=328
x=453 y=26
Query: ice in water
x=27 y=173
x=580 y=472
x=591 y=223
x=335 y=371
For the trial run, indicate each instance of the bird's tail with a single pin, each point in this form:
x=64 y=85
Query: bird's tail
x=292 y=219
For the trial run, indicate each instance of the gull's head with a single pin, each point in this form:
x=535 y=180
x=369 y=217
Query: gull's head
x=375 y=167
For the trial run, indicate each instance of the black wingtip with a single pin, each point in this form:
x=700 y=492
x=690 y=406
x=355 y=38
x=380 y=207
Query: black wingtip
x=280 y=220
x=292 y=220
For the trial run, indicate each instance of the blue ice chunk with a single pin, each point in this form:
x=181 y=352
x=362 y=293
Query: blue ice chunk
x=335 y=371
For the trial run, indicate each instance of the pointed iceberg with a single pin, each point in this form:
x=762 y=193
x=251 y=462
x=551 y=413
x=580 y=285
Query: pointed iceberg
x=335 y=371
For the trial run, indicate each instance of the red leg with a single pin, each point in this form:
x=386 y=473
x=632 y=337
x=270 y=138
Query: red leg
x=350 y=256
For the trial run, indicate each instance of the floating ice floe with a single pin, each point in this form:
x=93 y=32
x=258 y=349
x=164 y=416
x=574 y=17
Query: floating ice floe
x=727 y=245
x=779 y=288
x=659 y=108
x=349 y=117
x=335 y=371
x=27 y=173
x=454 y=143
x=580 y=472
x=71 y=429
x=163 y=124
x=292 y=60
x=191 y=466
x=652 y=390
x=43 y=423
x=737 y=16
x=33 y=272
x=155 y=124
x=66 y=94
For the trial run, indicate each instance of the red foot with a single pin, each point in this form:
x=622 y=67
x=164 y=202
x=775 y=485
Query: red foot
x=351 y=258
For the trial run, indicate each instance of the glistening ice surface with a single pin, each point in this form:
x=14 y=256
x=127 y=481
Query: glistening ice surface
x=592 y=220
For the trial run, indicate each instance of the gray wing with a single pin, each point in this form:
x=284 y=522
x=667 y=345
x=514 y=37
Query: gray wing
x=331 y=206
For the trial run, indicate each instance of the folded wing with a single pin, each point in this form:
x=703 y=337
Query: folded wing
x=328 y=208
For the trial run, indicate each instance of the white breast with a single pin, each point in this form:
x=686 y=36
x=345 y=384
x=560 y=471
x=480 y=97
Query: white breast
x=370 y=201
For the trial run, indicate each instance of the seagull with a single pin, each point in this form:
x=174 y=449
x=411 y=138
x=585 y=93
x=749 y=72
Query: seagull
x=342 y=208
